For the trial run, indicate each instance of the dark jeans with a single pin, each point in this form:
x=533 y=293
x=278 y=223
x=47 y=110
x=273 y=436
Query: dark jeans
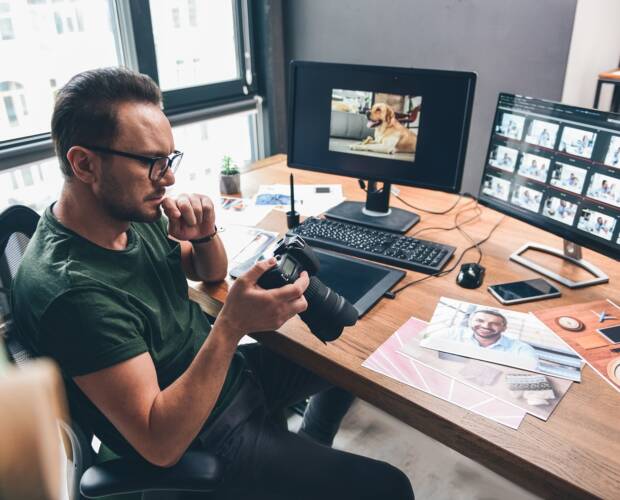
x=264 y=461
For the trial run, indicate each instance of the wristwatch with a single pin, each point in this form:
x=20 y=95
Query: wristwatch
x=205 y=239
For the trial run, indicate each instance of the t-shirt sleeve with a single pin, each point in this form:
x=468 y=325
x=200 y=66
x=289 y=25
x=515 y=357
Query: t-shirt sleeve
x=88 y=329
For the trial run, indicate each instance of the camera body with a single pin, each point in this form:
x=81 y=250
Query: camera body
x=328 y=312
x=293 y=256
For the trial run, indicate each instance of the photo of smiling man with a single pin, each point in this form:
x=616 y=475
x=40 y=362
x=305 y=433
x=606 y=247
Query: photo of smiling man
x=502 y=336
x=485 y=329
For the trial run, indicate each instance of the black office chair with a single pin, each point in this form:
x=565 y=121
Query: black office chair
x=197 y=471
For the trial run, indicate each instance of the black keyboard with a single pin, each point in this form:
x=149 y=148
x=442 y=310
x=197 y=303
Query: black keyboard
x=373 y=244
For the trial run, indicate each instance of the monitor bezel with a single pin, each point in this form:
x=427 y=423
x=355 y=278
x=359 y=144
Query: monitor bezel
x=569 y=234
x=470 y=78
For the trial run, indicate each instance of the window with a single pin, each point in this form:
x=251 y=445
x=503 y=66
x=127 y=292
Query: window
x=6 y=29
x=50 y=40
x=205 y=143
x=207 y=48
x=21 y=186
x=198 y=51
x=14 y=103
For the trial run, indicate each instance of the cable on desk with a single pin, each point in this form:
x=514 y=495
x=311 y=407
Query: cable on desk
x=476 y=244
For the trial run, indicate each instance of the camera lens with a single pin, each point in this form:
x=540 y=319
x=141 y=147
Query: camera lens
x=328 y=312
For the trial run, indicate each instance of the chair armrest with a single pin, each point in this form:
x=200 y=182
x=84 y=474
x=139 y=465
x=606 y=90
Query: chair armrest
x=195 y=471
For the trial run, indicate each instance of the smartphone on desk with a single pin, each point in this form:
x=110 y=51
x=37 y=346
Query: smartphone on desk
x=518 y=292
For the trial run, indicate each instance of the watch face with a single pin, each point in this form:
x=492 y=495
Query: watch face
x=569 y=323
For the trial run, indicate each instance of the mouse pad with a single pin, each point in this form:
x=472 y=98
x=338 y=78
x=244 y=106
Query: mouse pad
x=361 y=282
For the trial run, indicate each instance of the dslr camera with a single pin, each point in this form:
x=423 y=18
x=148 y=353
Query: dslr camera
x=328 y=312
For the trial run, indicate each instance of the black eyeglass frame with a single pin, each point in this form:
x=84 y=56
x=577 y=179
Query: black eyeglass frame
x=149 y=160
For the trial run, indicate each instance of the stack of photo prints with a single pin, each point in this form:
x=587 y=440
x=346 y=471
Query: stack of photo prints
x=498 y=363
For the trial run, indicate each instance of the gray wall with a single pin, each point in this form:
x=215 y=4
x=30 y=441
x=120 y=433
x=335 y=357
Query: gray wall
x=518 y=46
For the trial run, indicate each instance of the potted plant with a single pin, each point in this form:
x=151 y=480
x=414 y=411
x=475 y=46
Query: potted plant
x=230 y=180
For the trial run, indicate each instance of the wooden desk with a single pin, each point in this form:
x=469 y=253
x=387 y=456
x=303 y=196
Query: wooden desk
x=575 y=454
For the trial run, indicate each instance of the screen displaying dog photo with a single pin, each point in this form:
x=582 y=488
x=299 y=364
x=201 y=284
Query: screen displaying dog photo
x=375 y=124
x=605 y=188
x=577 y=142
x=568 y=177
x=496 y=187
x=510 y=126
x=612 y=158
x=534 y=167
x=597 y=223
x=561 y=210
x=503 y=158
x=527 y=198
x=542 y=133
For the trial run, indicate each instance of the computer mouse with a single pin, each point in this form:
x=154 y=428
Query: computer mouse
x=471 y=275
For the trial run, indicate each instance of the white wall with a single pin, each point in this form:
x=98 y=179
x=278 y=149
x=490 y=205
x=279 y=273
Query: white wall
x=595 y=47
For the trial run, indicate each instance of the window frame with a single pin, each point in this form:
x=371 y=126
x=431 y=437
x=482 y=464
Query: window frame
x=137 y=51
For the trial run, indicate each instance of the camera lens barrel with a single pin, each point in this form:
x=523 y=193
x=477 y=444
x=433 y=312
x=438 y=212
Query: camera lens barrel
x=328 y=312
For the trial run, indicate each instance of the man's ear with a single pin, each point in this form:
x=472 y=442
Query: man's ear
x=84 y=164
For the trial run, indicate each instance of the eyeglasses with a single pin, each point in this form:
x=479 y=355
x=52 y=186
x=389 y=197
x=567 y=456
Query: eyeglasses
x=158 y=165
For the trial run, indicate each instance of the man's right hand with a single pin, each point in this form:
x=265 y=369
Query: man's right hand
x=250 y=308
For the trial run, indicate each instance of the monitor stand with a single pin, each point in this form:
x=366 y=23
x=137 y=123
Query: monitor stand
x=572 y=253
x=376 y=212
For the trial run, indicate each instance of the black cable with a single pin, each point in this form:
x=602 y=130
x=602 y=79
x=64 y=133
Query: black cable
x=434 y=212
x=393 y=293
x=456 y=225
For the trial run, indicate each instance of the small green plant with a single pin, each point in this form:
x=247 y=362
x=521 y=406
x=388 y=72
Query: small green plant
x=228 y=166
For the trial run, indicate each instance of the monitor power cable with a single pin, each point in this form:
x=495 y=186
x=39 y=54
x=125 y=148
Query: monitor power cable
x=475 y=244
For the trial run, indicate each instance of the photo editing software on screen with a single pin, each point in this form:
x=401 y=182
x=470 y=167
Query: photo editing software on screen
x=557 y=166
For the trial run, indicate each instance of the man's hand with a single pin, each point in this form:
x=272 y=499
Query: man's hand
x=250 y=308
x=191 y=216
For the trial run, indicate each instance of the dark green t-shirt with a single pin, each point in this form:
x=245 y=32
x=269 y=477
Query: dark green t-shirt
x=89 y=308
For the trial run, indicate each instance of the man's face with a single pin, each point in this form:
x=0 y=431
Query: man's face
x=124 y=188
x=486 y=326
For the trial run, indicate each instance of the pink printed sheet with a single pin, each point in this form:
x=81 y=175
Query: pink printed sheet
x=388 y=361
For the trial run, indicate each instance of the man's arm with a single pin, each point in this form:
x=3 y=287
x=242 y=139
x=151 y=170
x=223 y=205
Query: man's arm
x=161 y=424
x=192 y=217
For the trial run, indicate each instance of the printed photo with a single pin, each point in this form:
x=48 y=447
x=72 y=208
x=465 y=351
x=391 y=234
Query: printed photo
x=496 y=187
x=560 y=210
x=503 y=158
x=612 y=158
x=577 y=142
x=527 y=198
x=510 y=126
x=605 y=188
x=535 y=393
x=596 y=223
x=568 y=177
x=542 y=133
x=375 y=124
x=534 y=167
x=500 y=336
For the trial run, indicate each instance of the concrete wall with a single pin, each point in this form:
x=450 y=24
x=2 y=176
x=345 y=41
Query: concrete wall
x=595 y=47
x=518 y=46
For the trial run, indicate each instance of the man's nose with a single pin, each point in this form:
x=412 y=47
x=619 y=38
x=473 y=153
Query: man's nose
x=168 y=179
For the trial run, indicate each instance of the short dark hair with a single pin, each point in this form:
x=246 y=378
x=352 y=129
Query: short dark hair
x=492 y=312
x=85 y=108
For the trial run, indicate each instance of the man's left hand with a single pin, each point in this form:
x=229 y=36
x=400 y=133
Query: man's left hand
x=191 y=216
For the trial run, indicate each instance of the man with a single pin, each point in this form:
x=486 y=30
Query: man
x=485 y=329
x=102 y=289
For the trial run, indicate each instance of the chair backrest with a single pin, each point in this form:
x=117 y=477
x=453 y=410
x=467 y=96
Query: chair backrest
x=17 y=225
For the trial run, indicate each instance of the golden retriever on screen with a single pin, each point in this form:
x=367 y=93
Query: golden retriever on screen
x=390 y=135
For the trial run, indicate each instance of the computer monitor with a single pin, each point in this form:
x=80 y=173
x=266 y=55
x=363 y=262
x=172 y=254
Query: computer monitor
x=557 y=167
x=384 y=125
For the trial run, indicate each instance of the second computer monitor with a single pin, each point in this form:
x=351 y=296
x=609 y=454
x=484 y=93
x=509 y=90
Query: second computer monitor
x=395 y=125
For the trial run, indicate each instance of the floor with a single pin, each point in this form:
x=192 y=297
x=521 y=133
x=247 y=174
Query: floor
x=435 y=471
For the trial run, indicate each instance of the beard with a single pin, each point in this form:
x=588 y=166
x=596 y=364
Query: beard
x=118 y=206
